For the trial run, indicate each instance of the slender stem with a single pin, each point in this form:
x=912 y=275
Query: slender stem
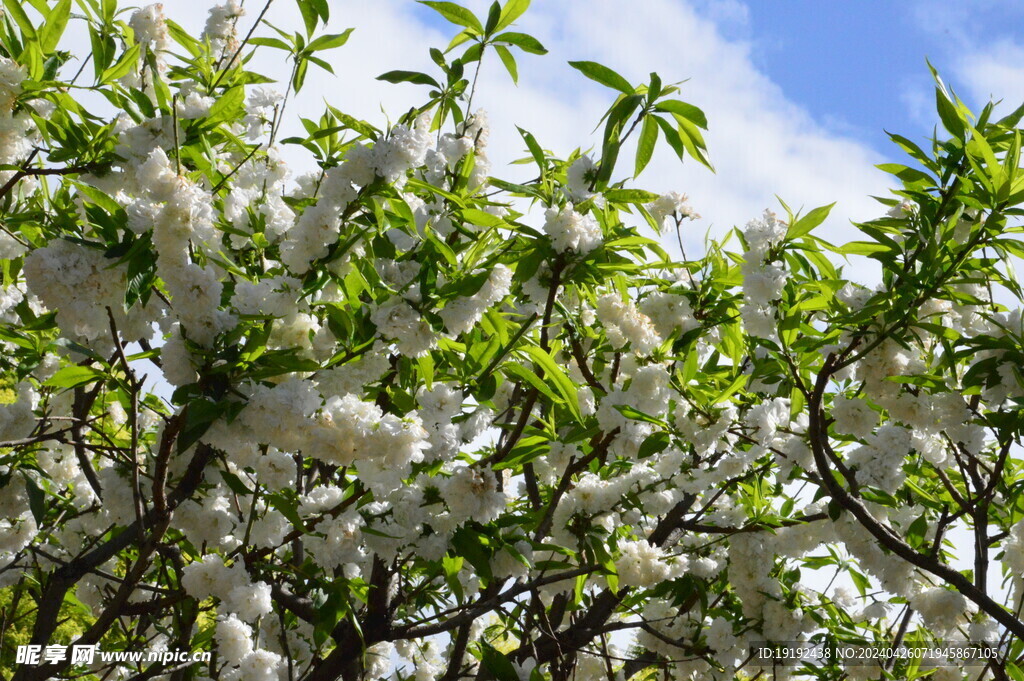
x=241 y=46
x=476 y=77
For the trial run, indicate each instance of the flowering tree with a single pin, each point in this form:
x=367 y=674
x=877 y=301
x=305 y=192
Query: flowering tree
x=430 y=424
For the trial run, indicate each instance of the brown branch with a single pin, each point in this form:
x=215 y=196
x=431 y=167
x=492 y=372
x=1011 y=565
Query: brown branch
x=468 y=613
x=241 y=46
x=83 y=402
x=167 y=441
x=61 y=580
x=581 y=362
x=882 y=533
x=303 y=608
x=38 y=172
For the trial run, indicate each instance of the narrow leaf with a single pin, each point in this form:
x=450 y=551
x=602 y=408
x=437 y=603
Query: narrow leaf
x=509 y=61
x=948 y=113
x=645 y=147
x=603 y=75
x=310 y=16
x=123 y=66
x=72 y=377
x=55 y=25
x=556 y=376
x=408 y=77
x=456 y=14
x=271 y=42
x=908 y=175
x=329 y=42
x=808 y=222
x=687 y=111
x=671 y=136
x=527 y=43
x=512 y=10
x=17 y=12
x=533 y=146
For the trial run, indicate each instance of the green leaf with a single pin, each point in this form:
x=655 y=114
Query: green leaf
x=199 y=416
x=481 y=218
x=603 y=75
x=671 y=136
x=916 y=532
x=460 y=37
x=687 y=111
x=556 y=376
x=17 y=12
x=655 y=443
x=457 y=14
x=861 y=248
x=731 y=389
x=498 y=664
x=526 y=450
x=451 y=565
x=408 y=77
x=908 y=175
x=123 y=66
x=654 y=89
x=102 y=51
x=310 y=16
x=329 y=42
x=645 y=147
x=326 y=66
x=509 y=61
x=949 y=114
x=518 y=371
x=330 y=612
x=493 y=16
x=73 y=376
x=535 y=149
x=362 y=127
x=419 y=184
x=630 y=196
x=693 y=141
x=808 y=222
x=227 y=107
x=637 y=415
x=512 y=10
x=300 y=74
x=911 y=148
x=860 y=581
x=271 y=42
x=526 y=43
x=235 y=483
x=41 y=7
x=474 y=547
x=55 y=25
x=322 y=8
x=472 y=54
x=617 y=116
x=36 y=500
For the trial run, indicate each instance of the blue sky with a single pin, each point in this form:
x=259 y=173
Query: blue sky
x=859 y=67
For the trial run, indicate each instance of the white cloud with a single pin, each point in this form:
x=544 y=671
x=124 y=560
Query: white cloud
x=995 y=73
x=979 y=46
x=731 y=14
x=762 y=144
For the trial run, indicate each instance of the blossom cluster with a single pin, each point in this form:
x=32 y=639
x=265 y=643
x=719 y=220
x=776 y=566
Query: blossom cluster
x=402 y=416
